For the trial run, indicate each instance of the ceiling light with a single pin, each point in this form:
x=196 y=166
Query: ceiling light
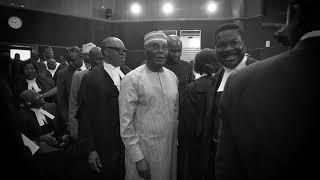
x=212 y=7
x=167 y=8
x=135 y=8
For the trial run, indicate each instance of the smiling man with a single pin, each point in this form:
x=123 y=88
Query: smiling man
x=231 y=51
x=148 y=105
x=268 y=109
x=231 y=54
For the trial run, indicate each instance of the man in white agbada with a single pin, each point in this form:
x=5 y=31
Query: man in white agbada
x=148 y=105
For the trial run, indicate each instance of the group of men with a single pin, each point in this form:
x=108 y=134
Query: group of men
x=126 y=122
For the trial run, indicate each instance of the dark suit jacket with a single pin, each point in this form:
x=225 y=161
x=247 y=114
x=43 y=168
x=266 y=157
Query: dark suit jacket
x=269 y=116
x=183 y=71
x=63 y=93
x=99 y=126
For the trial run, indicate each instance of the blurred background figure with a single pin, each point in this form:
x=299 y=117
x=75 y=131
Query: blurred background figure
x=182 y=69
x=95 y=58
x=52 y=68
x=64 y=79
x=47 y=54
x=15 y=67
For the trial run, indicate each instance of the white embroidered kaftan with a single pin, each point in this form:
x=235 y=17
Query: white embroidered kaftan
x=148 y=105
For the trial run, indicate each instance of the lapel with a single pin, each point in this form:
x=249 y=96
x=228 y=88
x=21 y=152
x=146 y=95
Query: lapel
x=217 y=80
x=108 y=80
x=213 y=92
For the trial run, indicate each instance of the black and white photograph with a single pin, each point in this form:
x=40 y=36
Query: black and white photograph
x=159 y=89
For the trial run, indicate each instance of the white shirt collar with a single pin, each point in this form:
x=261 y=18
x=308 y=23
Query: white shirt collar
x=40 y=114
x=32 y=84
x=83 y=67
x=227 y=72
x=114 y=72
x=310 y=34
x=241 y=65
x=52 y=71
x=108 y=67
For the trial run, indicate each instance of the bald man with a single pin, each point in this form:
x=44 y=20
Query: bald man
x=99 y=113
x=182 y=69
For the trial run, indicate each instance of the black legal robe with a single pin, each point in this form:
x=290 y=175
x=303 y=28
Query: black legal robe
x=99 y=126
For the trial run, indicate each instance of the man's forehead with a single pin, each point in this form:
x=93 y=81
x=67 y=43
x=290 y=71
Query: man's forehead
x=228 y=35
x=113 y=42
x=174 y=44
x=156 y=42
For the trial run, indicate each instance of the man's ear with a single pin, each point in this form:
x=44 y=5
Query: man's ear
x=105 y=52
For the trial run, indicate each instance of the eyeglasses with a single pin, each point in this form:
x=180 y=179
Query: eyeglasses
x=119 y=50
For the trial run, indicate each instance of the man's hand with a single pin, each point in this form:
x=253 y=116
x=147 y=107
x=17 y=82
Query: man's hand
x=94 y=161
x=73 y=129
x=143 y=169
x=48 y=138
x=65 y=139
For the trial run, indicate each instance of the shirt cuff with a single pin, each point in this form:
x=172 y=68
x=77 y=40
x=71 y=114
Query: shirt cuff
x=136 y=154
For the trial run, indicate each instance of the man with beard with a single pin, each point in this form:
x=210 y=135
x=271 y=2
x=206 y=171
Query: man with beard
x=99 y=114
x=269 y=109
x=148 y=105
x=182 y=69
x=231 y=54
